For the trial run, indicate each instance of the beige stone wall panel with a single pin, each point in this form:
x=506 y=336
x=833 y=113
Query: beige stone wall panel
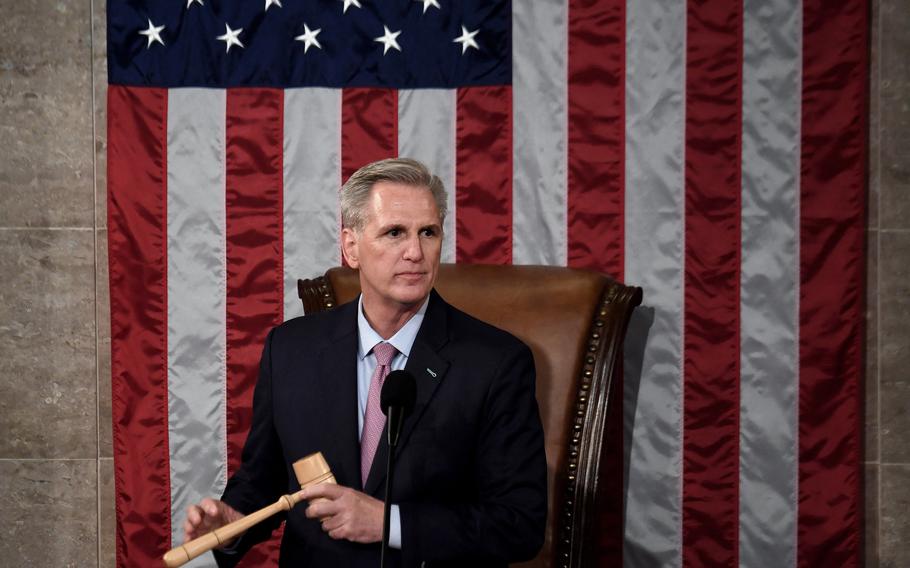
x=45 y=115
x=47 y=341
x=49 y=515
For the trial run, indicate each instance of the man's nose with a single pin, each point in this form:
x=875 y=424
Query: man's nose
x=413 y=248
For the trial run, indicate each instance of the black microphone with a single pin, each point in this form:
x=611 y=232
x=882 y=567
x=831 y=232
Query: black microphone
x=399 y=392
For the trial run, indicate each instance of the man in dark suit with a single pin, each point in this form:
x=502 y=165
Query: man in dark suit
x=470 y=481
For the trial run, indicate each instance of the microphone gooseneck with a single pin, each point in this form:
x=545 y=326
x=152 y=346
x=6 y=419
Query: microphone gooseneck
x=399 y=393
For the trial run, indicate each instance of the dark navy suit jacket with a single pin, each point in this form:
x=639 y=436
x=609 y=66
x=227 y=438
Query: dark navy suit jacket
x=470 y=474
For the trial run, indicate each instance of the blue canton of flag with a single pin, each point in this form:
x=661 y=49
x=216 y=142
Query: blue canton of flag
x=326 y=43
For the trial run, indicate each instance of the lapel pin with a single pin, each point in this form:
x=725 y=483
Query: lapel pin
x=430 y=371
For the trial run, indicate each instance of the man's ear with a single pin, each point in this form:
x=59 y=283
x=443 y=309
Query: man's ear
x=349 y=247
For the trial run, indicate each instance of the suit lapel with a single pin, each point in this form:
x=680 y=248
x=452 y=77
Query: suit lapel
x=337 y=376
x=429 y=370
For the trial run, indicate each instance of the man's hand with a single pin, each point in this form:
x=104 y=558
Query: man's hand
x=345 y=513
x=207 y=516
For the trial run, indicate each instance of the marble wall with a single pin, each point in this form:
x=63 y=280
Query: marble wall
x=56 y=471
x=888 y=281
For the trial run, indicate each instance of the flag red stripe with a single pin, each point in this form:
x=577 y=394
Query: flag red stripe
x=595 y=198
x=483 y=175
x=369 y=127
x=710 y=515
x=832 y=264
x=253 y=247
x=596 y=135
x=254 y=138
x=137 y=217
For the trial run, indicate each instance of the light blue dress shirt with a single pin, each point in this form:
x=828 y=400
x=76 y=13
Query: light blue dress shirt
x=403 y=340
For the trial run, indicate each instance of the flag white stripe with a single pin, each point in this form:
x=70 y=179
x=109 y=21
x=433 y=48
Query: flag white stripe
x=769 y=283
x=426 y=132
x=539 y=107
x=654 y=257
x=312 y=178
x=196 y=298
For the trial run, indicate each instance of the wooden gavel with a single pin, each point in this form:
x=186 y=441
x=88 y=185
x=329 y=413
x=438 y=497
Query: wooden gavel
x=311 y=470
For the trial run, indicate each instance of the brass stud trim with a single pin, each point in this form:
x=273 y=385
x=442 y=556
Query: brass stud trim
x=595 y=343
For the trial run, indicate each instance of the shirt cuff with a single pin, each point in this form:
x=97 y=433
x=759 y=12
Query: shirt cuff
x=394 y=527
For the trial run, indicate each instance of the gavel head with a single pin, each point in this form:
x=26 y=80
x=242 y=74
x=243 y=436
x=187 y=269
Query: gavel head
x=313 y=470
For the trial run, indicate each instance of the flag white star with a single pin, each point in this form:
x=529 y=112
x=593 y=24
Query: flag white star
x=388 y=40
x=428 y=3
x=230 y=37
x=308 y=37
x=191 y=2
x=268 y=3
x=349 y=3
x=466 y=39
x=153 y=33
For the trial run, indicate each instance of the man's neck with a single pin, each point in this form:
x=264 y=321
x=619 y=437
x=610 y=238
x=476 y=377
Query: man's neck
x=387 y=320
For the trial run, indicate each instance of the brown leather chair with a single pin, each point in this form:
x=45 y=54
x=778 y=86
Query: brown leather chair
x=574 y=321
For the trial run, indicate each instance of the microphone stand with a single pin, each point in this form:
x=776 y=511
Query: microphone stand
x=397 y=398
x=395 y=418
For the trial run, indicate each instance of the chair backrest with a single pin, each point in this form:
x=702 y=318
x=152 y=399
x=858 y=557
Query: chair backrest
x=574 y=321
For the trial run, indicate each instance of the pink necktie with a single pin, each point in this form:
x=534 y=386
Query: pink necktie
x=374 y=419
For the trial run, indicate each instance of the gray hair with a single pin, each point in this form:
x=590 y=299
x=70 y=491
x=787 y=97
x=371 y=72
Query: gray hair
x=356 y=191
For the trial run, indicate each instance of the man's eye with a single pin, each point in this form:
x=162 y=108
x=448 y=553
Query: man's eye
x=429 y=232
x=394 y=232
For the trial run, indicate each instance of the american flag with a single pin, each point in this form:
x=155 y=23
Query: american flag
x=712 y=152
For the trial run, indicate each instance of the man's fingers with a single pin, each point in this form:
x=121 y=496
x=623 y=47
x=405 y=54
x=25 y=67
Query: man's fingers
x=210 y=507
x=188 y=530
x=321 y=508
x=345 y=513
x=207 y=515
x=326 y=490
x=325 y=500
x=337 y=533
x=194 y=524
x=332 y=523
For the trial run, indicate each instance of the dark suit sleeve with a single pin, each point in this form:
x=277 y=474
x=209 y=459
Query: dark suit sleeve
x=262 y=477
x=507 y=521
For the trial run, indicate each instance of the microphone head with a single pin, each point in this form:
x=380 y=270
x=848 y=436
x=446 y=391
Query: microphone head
x=400 y=390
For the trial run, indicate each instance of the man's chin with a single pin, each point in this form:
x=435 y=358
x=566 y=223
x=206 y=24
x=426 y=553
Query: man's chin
x=410 y=295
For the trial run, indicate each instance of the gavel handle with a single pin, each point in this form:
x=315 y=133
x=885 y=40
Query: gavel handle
x=182 y=554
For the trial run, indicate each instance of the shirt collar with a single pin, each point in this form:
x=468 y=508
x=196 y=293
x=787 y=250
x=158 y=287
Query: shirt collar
x=403 y=339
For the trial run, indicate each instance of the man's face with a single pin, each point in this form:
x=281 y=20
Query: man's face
x=397 y=250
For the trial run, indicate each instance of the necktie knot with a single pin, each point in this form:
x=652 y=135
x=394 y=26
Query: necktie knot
x=384 y=353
